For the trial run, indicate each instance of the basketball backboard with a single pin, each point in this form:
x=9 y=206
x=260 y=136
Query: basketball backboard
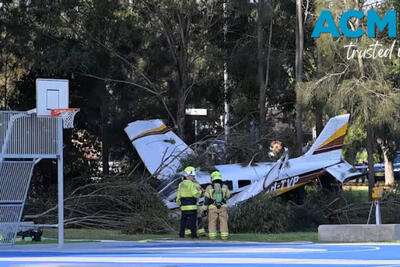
x=51 y=94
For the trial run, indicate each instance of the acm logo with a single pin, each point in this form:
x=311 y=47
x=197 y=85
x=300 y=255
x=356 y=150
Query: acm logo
x=326 y=24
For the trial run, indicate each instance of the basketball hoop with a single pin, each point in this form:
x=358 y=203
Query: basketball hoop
x=67 y=115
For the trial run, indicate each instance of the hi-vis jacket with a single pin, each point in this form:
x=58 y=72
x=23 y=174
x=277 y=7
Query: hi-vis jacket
x=209 y=197
x=188 y=193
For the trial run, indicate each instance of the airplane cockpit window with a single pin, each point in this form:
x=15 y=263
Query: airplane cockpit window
x=169 y=186
x=243 y=183
x=229 y=184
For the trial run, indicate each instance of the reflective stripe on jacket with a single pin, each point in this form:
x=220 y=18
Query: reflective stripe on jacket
x=209 y=196
x=188 y=193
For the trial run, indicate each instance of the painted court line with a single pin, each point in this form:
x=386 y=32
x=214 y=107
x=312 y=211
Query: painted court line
x=221 y=250
x=188 y=260
x=227 y=250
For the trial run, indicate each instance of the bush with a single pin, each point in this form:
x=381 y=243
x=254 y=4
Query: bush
x=390 y=205
x=335 y=207
x=266 y=214
x=261 y=214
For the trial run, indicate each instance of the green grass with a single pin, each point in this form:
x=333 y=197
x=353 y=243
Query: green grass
x=283 y=237
x=99 y=234
x=357 y=192
x=44 y=241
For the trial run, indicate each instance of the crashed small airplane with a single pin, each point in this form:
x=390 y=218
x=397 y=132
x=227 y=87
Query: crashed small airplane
x=162 y=151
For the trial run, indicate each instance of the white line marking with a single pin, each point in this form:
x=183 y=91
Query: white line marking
x=355 y=250
x=361 y=244
x=192 y=250
x=178 y=260
x=265 y=250
x=226 y=250
x=46 y=265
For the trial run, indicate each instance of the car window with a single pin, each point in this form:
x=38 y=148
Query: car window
x=397 y=159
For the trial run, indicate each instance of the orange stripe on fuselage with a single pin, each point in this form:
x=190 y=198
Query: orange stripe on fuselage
x=335 y=141
x=160 y=130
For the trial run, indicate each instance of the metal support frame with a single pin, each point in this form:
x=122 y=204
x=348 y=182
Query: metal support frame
x=377 y=213
x=378 y=219
x=60 y=176
x=24 y=135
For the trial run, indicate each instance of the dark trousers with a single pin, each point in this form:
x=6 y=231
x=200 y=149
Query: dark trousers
x=188 y=220
x=200 y=222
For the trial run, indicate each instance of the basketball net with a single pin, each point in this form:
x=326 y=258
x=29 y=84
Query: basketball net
x=67 y=115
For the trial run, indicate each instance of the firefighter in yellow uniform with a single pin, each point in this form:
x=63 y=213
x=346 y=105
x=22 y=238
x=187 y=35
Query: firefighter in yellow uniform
x=188 y=193
x=215 y=198
x=200 y=221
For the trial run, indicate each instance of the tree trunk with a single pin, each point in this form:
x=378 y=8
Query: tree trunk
x=261 y=61
x=389 y=175
x=262 y=112
x=388 y=164
x=226 y=87
x=370 y=151
x=183 y=68
x=299 y=41
x=299 y=72
x=104 y=132
x=183 y=87
x=5 y=83
x=105 y=151
x=319 y=107
x=180 y=115
x=318 y=120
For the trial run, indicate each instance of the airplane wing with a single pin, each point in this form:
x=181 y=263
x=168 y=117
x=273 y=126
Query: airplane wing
x=323 y=157
x=343 y=171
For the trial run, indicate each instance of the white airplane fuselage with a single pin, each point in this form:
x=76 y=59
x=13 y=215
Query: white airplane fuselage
x=161 y=151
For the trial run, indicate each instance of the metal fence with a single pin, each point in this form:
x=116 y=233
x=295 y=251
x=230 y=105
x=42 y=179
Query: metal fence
x=14 y=178
x=24 y=140
x=24 y=135
x=9 y=222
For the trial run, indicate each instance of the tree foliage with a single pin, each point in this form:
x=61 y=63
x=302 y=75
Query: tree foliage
x=144 y=59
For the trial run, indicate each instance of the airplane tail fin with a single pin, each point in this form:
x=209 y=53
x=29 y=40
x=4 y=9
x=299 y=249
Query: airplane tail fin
x=330 y=142
x=159 y=148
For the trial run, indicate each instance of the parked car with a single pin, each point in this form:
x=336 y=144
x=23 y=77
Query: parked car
x=379 y=168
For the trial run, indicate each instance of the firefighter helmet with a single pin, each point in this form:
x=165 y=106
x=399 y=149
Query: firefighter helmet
x=189 y=171
x=216 y=175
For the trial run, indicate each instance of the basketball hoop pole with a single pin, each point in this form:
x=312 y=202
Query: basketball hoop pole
x=52 y=101
x=60 y=176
